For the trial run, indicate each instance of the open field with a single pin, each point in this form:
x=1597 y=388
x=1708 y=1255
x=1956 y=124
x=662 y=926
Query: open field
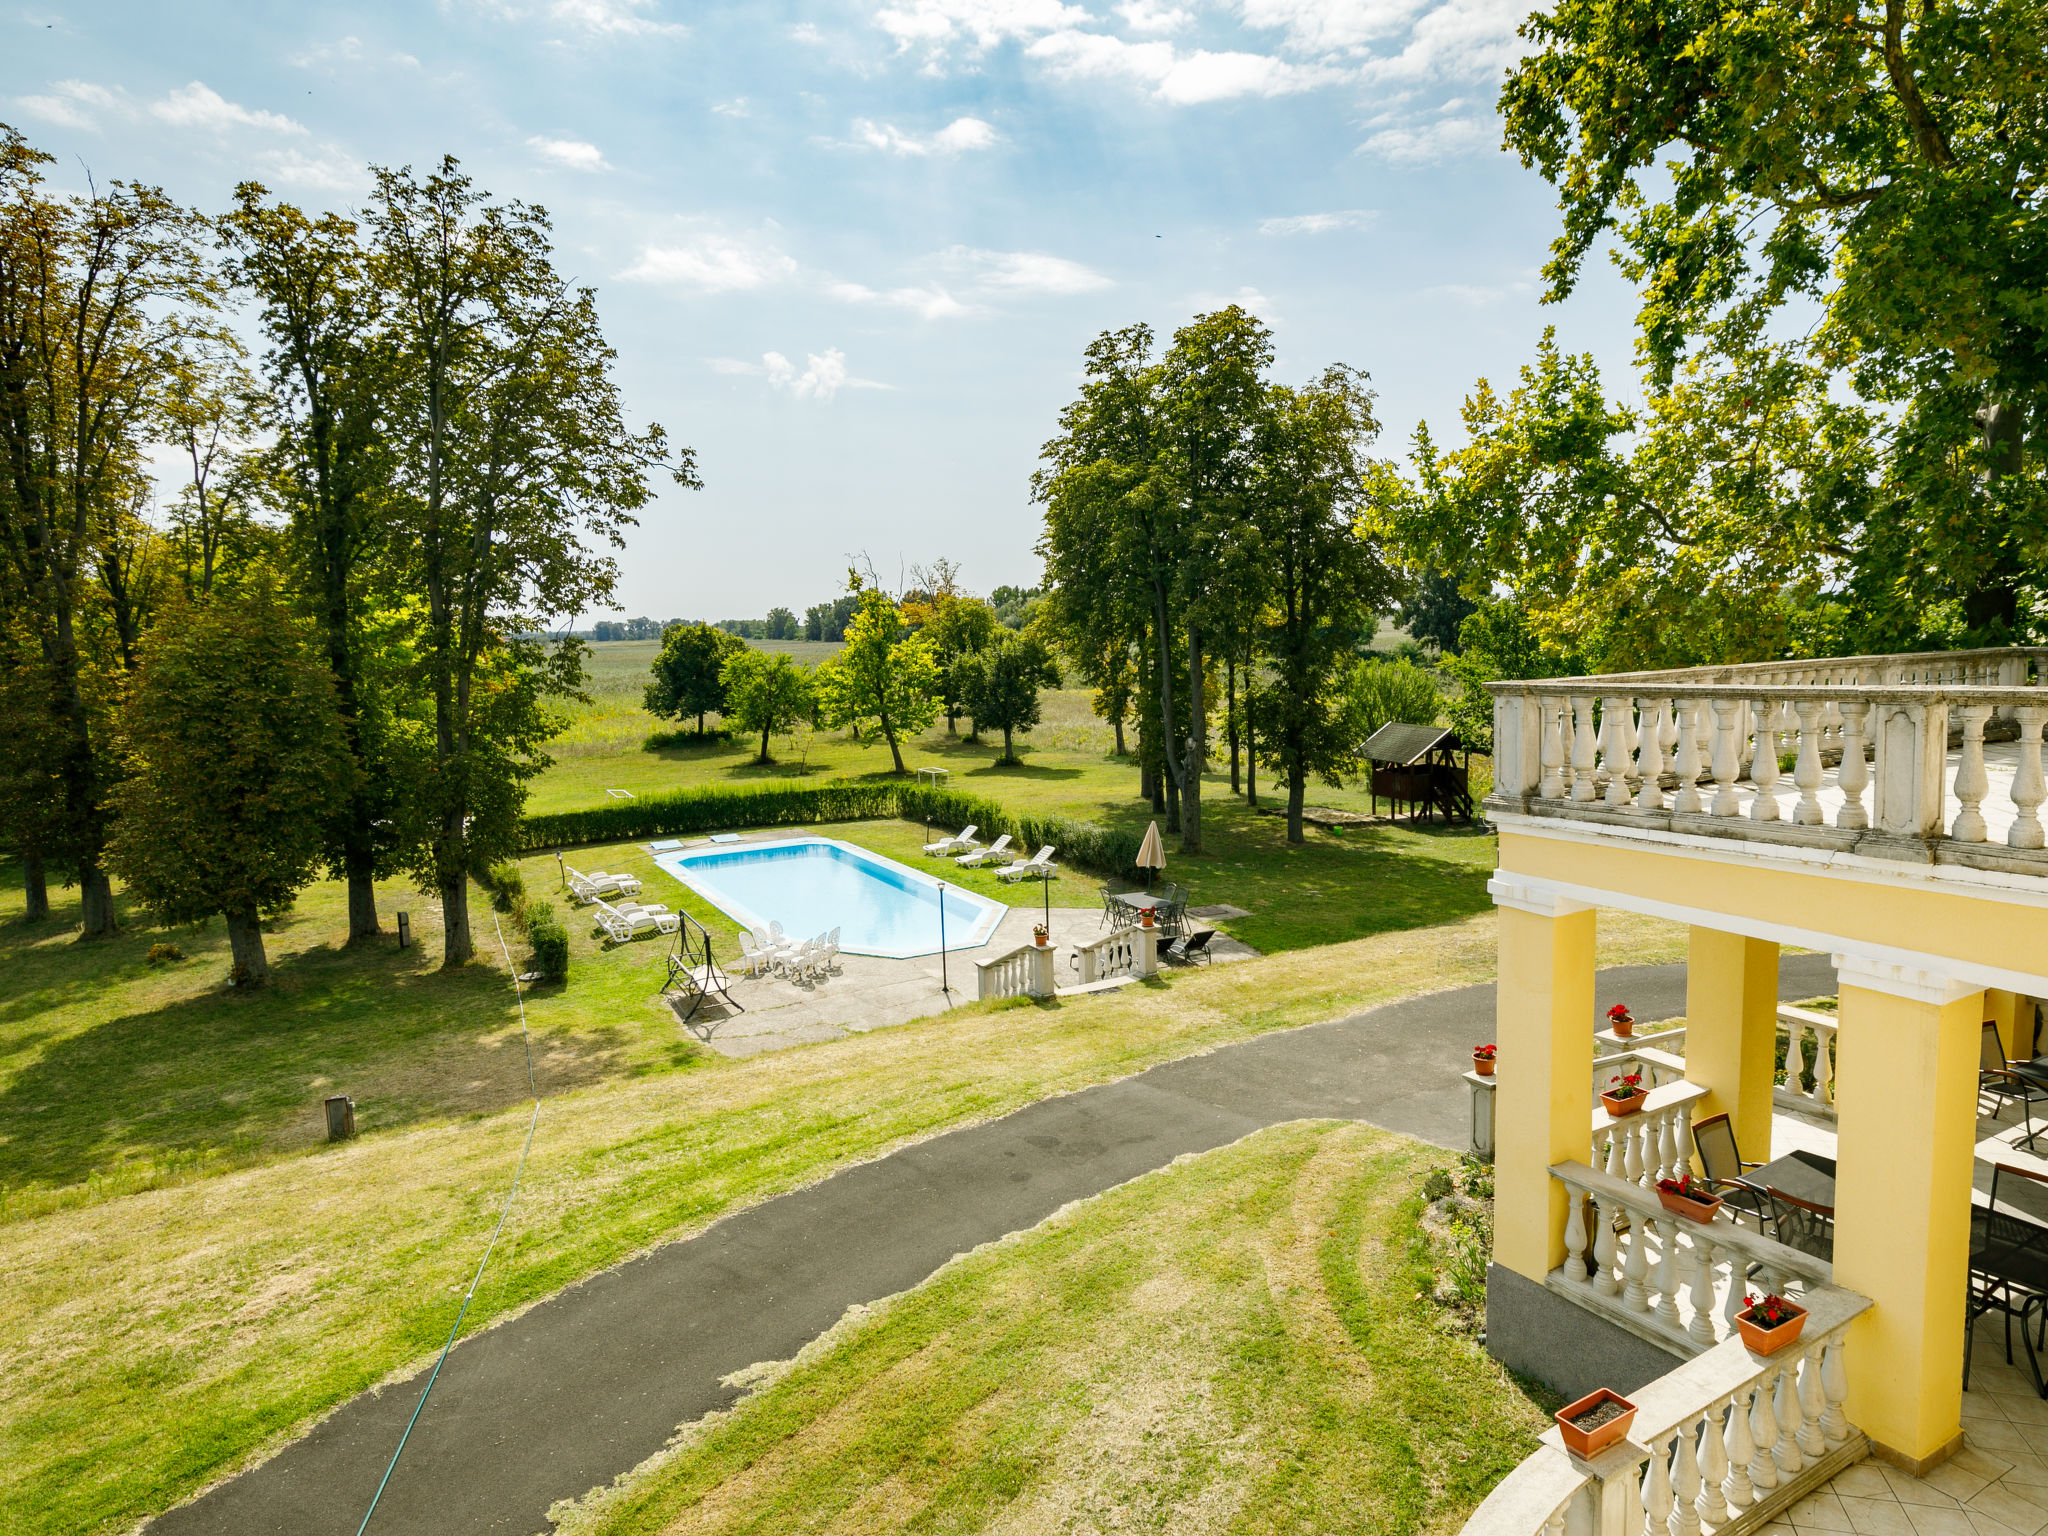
x=1235 y=1343
x=616 y=679
x=194 y=1276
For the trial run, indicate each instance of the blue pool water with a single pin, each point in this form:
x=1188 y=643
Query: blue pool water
x=813 y=884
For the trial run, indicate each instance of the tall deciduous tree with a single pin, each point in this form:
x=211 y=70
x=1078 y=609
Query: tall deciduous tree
x=237 y=753
x=689 y=674
x=510 y=452
x=327 y=365
x=1000 y=685
x=765 y=693
x=885 y=678
x=1311 y=486
x=99 y=297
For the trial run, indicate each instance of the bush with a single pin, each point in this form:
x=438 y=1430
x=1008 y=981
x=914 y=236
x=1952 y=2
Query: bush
x=164 y=954
x=506 y=885
x=1384 y=691
x=549 y=938
x=1081 y=844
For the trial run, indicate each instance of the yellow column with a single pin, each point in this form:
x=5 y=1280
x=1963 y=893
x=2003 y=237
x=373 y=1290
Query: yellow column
x=1731 y=1032
x=1905 y=1095
x=2002 y=1009
x=1543 y=1107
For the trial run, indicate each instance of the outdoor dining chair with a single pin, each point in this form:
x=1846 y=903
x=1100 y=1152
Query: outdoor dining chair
x=1721 y=1159
x=1802 y=1224
x=2008 y=1274
x=2003 y=1081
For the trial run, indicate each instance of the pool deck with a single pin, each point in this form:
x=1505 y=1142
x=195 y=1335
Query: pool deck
x=870 y=992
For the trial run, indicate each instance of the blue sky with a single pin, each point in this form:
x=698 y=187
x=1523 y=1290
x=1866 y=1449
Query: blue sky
x=852 y=252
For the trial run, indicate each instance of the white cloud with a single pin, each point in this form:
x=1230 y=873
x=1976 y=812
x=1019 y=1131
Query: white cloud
x=570 y=154
x=1458 y=40
x=824 y=374
x=1245 y=298
x=1427 y=142
x=1023 y=272
x=1330 y=26
x=1318 y=223
x=74 y=104
x=331 y=170
x=200 y=106
x=1152 y=16
x=930 y=302
x=613 y=18
x=350 y=50
x=806 y=32
x=1183 y=79
x=980 y=24
x=957 y=137
x=737 y=107
x=713 y=263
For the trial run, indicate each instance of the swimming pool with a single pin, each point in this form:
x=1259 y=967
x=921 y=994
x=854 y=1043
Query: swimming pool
x=813 y=884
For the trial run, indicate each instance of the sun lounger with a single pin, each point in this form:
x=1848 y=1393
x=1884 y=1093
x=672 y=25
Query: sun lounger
x=1038 y=867
x=621 y=924
x=955 y=845
x=594 y=887
x=1192 y=948
x=997 y=852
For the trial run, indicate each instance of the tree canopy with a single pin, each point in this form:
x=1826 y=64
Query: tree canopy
x=765 y=693
x=1000 y=685
x=885 y=678
x=689 y=674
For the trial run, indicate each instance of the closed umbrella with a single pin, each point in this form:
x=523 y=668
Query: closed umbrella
x=1151 y=854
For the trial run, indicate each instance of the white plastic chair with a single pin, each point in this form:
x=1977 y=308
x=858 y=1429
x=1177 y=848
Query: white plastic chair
x=1038 y=866
x=997 y=851
x=954 y=844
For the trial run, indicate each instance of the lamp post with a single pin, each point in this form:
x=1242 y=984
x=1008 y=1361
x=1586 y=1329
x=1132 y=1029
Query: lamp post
x=945 y=986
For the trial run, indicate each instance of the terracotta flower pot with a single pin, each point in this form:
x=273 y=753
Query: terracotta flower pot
x=1145 y=918
x=1767 y=1341
x=1039 y=940
x=1625 y=1031
x=1483 y=1065
x=1618 y=1107
x=1588 y=1443
x=1683 y=1205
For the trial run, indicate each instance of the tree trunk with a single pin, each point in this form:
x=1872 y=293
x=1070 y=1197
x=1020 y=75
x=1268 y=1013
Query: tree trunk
x=1009 y=752
x=1297 y=791
x=1146 y=787
x=700 y=724
x=95 y=903
x=1251 y=752
x=1121 y=750
x=37 y=887
x=951 y=716
x=362 y=905
x=249 y=966
x=764 y=745
x=458 y=948
x=1163 y=635
x=1198 y=749
x=1230 y=715
x=895 y=751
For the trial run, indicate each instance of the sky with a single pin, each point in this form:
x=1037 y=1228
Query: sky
x=852 y=253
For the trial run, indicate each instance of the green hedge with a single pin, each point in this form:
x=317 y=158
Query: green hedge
x=549 y=938
x=718 y=808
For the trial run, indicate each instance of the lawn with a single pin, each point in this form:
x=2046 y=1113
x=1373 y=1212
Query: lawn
x=194 y=1275
x=1235 y=1343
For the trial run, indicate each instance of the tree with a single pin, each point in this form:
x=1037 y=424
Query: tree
x=956 y=626
x=765 y=693
x=782 y=625
x=328 y=365
x=828 y=621
x=1379 y=691
x=1435 y=609
x=1000 y=685
x=1879 y=160
x=1323 y=580
x=510 y=452
x=883 y=677
x=237 y=754
x=101 y=297
x=689 y=672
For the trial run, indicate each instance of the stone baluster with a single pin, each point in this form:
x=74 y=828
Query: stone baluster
x=1667 y=729
x=1813 y=1403
x=1971 y=780
x=1583 y=742
x=1736 y=1487
x=1823 y=1067
x=1603 y=1251
x=1786 y=1410
x=1555 y=764
x=1731 y=1303
x=1795 y=1056
x=1575 y=1234
x=1650 y=756
x=1763 y=761
x=1632 y=1163
x=1763 y=1436
x=2027 y=785
x=1687 y=800
x=1712 y=1503
x=1727 y=760
x=1854 y=777
x=1636 y=1270
x=1834 y=1385
x=1657 y=1489
x=1806 y=772
x=1554 y=1526
x=1701 y=1329
x=1617 y=1151
x=1665 y=1308
x=1685 y=1484
x=1615 y=715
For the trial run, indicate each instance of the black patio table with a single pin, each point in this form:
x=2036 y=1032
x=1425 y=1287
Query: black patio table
x=2008 y=1255
x=1803 y=1175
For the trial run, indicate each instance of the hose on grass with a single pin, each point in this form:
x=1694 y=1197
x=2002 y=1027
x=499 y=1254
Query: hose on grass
x=518 y=991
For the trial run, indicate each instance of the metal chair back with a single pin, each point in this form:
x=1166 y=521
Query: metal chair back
x=1803 y=1225
x=1990 y=1049
x=1714 y=1139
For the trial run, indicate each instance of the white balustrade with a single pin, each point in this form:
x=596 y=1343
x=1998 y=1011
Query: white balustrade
x=1124 y=952
x=1809 y=1049
x=1024 y=972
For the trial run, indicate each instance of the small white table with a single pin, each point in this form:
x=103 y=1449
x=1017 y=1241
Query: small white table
x=937 y=776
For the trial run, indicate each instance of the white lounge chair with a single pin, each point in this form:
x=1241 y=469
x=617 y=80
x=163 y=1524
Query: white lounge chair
x=997 y=852
x=1038 y=867
x=621 y=924
x=594 y=887
x=958 y=844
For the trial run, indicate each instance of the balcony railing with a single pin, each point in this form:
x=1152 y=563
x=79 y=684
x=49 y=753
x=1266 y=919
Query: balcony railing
x=1785 y=752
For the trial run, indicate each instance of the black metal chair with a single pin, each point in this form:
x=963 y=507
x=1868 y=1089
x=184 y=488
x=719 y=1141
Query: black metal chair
x=1192 y=948
x=1721 y=1160
x=1802 y=1224
x=2008 y=1274
x=2003 y=1081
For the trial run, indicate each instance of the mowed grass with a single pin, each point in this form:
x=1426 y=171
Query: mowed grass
x=194 y=1276
x=1237 y=1343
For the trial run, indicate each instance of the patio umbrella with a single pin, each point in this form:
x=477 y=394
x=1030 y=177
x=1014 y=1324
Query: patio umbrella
x=1151 y=854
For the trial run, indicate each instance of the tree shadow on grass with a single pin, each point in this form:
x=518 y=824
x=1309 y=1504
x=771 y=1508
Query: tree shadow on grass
x=1019 y=770
x=242 y=1075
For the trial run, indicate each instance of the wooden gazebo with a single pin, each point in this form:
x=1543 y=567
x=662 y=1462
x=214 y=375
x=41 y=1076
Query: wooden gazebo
x=1419 y=766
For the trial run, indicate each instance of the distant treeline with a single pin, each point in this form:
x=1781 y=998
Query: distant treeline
x=1013 y=606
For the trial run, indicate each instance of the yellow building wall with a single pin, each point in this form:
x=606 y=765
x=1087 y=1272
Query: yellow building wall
x=1731 y=1032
